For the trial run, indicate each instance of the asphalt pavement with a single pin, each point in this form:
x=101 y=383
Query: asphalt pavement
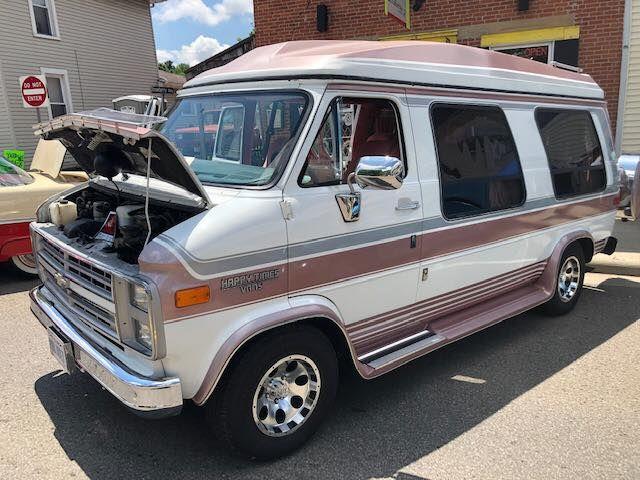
x=531 y=398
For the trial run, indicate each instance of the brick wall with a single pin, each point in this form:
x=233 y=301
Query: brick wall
x=600 y=21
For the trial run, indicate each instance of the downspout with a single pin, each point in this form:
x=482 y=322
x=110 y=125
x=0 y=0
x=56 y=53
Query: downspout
x=624 y=75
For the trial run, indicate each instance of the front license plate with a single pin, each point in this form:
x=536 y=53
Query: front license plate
x=62 y=350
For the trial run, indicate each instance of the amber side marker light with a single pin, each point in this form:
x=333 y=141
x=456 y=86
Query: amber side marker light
x=192 y=296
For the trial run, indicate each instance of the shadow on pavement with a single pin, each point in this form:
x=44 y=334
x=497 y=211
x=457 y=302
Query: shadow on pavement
x=12 y=281
x=376 y=428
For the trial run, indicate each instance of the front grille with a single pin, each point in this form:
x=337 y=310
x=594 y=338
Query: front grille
x=88 y=275
x=79 y=287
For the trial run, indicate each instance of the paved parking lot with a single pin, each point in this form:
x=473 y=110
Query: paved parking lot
x=531 y=398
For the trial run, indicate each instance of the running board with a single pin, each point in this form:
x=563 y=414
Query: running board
x=396 y=350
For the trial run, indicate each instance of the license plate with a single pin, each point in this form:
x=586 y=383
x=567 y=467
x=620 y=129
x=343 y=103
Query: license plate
x=62 y=350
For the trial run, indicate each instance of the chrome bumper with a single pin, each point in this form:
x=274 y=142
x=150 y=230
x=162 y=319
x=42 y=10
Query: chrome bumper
x=147 y=396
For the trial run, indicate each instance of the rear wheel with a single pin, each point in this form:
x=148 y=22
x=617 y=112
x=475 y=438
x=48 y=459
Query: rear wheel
x=25 y=263
x=276 y=394
x=569 y=282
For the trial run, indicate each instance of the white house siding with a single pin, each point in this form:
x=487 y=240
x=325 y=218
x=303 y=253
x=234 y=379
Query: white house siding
x=631 y=115
x=6 y=130
x=106 y=47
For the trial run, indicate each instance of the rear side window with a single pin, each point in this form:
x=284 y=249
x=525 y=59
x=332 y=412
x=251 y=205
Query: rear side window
x=573 y=150
x=480 y=169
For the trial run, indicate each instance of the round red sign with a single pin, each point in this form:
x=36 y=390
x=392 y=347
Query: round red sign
x=34 y=91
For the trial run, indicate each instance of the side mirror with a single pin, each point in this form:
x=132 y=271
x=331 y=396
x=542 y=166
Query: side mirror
x=381 y=172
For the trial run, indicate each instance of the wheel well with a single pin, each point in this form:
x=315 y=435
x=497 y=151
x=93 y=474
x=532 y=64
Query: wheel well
x=325 y=325
x=587 y=248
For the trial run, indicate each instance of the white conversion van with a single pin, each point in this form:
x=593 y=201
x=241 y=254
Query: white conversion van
x=317 y=201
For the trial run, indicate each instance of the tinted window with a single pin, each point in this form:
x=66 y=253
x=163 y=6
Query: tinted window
x=352 y=129
x=574 y=152
x=479 y=166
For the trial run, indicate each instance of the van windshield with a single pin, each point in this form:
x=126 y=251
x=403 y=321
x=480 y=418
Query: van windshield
x=242 y=139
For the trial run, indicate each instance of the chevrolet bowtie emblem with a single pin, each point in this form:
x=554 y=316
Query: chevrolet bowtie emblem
x=61 y=281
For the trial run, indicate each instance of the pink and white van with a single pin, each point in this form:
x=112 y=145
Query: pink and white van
x=363 y=201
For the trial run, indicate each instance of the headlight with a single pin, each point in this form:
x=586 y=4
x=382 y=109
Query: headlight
x=140 y=297
x=143 y=334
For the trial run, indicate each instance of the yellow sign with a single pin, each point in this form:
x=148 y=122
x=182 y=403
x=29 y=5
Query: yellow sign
x=399 y=9
x=530 y=36
x=444 y=36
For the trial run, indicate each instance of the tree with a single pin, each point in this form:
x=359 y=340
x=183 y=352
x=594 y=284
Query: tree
x=168 y=66
x=181 y=69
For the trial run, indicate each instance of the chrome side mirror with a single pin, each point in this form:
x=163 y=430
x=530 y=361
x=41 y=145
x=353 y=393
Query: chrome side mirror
x=383 y=173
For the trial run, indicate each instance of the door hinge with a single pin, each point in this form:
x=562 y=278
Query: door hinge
x=287 y=209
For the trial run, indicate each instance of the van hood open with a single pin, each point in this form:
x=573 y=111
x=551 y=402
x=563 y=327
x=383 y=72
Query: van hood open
x=87 y=133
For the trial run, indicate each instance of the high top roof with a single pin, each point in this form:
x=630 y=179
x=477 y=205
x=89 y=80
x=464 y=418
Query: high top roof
x=409 y=62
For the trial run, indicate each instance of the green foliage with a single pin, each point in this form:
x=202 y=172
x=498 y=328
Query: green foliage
x=168 y=66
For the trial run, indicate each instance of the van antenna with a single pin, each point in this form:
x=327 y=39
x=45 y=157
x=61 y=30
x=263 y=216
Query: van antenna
x=146 y=200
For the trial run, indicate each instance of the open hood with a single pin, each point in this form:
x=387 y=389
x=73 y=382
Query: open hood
x=86 y=134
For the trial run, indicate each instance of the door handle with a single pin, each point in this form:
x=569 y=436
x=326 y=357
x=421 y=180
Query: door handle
x=406 y=204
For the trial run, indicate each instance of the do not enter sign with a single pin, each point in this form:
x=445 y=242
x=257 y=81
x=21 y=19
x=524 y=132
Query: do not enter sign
x=34 y=91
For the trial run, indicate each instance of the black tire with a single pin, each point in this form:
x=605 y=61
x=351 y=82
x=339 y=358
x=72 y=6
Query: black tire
x=230 y=413
x=559 y=305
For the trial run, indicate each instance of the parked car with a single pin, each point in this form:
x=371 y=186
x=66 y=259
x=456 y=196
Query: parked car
x=20 y=194
x=473 y=186
x=628 y=170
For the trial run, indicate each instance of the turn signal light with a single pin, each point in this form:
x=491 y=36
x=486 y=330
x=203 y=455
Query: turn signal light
x=192 y=296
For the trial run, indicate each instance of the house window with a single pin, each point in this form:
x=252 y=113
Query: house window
x=43 y=18
x=353 y=128
x=59 y=92
x=479 y=165
x=573 y=150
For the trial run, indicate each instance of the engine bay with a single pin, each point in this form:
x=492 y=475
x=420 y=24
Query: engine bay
x=115 y=219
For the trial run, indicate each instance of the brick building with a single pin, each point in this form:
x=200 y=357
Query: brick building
x=582 y=33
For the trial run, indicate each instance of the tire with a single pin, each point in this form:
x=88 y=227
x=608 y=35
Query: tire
x=248 y=418
x=569 y=283
x=26 y=264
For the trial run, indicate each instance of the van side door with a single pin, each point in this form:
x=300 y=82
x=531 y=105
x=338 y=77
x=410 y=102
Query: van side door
x=368 y=268
x=474 y=189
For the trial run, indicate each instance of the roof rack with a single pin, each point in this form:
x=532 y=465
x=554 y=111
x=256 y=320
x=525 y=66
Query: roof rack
x=566 y=66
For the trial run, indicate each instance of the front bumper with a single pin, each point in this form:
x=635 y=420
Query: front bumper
x=146 y=396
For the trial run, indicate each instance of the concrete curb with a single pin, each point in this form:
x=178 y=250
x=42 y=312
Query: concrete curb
x=623 y=263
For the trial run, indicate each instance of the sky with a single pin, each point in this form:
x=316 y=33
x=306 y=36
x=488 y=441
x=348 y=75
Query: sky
x=189 y=31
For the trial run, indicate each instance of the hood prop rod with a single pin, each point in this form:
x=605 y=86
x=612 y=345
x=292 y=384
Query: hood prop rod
x=146 y=200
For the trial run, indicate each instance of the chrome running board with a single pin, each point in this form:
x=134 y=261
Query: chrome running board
x=405 y=346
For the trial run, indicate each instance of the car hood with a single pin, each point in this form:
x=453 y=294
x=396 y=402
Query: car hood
x=84 y=134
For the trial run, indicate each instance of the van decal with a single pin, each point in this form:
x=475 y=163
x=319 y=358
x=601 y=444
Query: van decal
x=312 y=263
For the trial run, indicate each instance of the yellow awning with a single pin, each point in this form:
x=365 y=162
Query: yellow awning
x=524 y=37
x=445 y=36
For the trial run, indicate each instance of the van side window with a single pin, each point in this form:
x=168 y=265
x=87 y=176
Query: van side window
x=480 y=169
x=353 y=128
x=573 y=150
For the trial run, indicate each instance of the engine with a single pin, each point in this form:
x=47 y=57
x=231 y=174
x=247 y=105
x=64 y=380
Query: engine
x=117 y=220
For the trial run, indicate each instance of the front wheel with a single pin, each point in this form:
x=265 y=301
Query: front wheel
x=276 y=394
x=568 y=283
x=25 y=263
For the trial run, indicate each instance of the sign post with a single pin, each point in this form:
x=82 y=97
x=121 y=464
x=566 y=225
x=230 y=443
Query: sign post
x=34 y=92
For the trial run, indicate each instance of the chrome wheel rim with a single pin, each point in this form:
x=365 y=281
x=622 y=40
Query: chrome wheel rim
x=286 y=395
x=29 y=260
x=569 y=279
